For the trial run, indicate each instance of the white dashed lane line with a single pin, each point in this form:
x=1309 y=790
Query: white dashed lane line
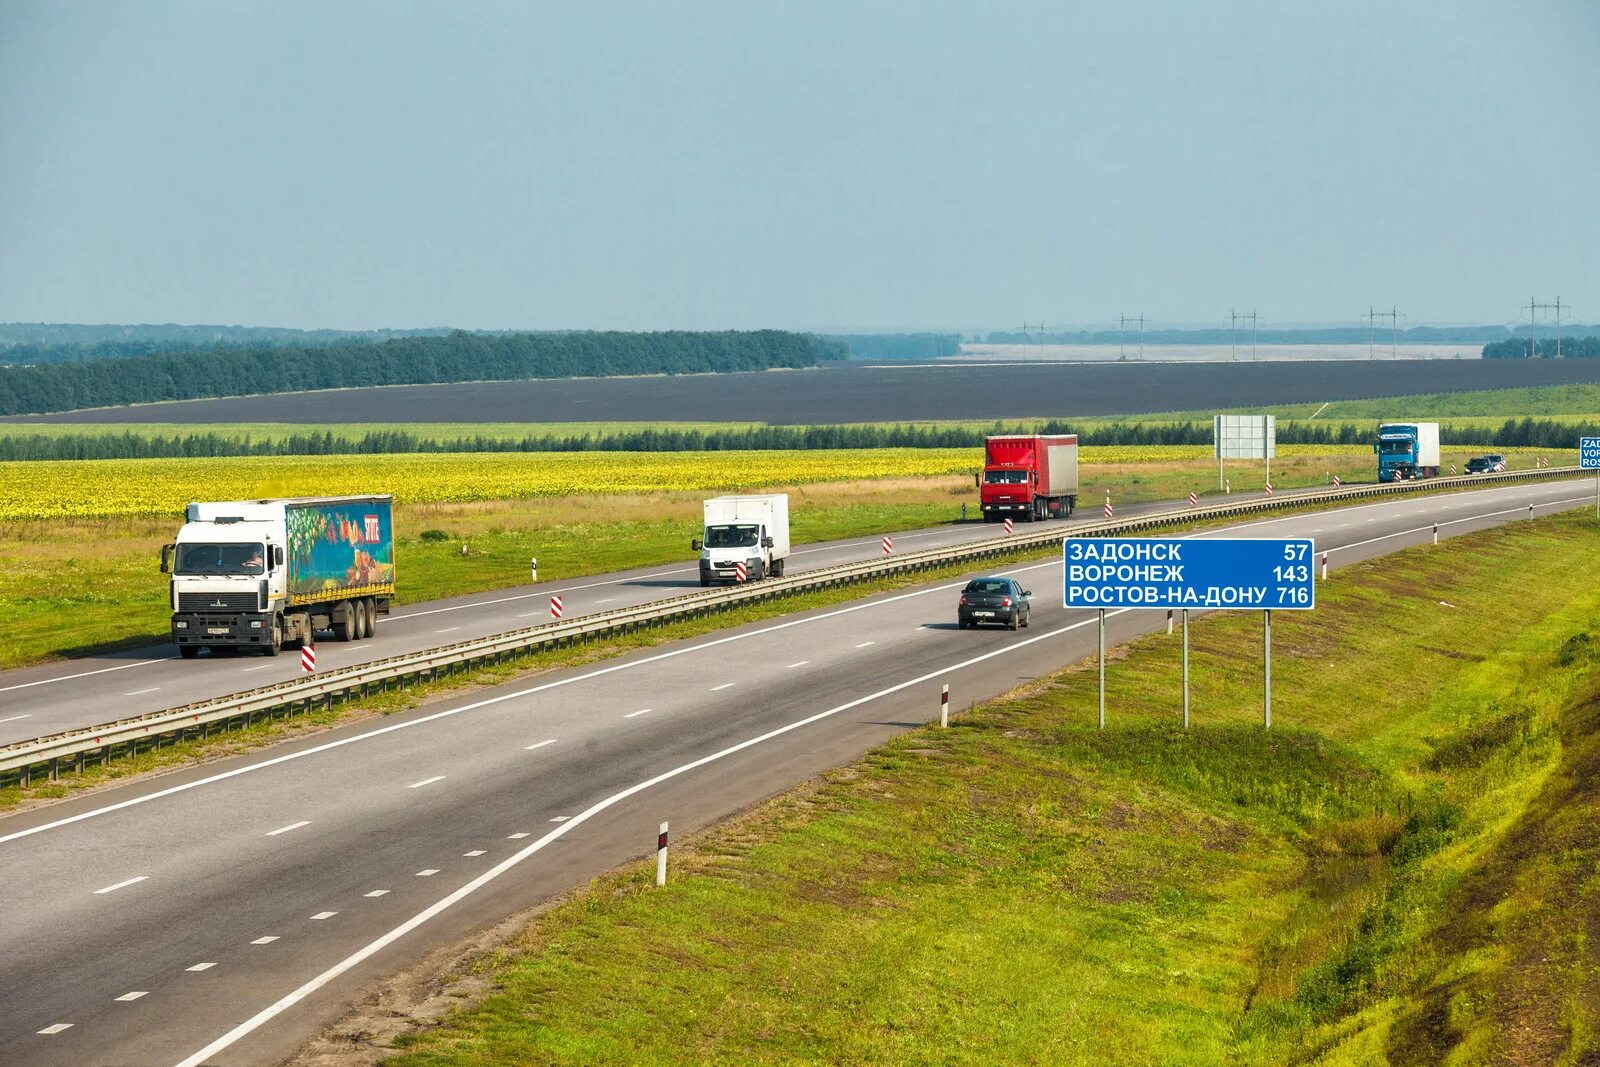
x=515 y=837
x=377 y=893
x=792 y=666
x=269 y=939
x=539 y=744
x=14 y=718
x=724 y=685
x=447 y=630
x=319 y=916
x=121 y=885
x=201 y=967
x=426 y=781
x=428 y=872
x=286 y=829
x=142 y=692
x=56 y=1028
x=561 y=818
x=865 y=644
x=135 y=995
x=636 y=714
x=474 y=852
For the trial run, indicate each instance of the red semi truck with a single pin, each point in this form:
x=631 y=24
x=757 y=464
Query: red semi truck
x=1029 y=476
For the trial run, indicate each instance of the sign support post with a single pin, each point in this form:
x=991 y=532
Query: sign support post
x=1266 y=617
x=1185 y=668
x=1589 y=456
x=1101 y=656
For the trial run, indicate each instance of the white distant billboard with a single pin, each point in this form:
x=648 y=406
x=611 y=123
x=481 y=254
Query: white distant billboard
x=1246 y=436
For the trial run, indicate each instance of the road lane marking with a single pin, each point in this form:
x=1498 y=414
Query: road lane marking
x=636 y=714
x=515 y=837
x=56 y=1028
x=428 y=872
x=724 y=685
x=319 y=916
x=142 y=692
x=474 y=852
x=14 y=718
x=447 y=630
x=704 y=646
x=792 y=666
x=561 y=818
x=426 y=781
x=201 y=967
x=372 y=948
x=607 y=600
x=864 y=644
x=539 y=744
x=121 y=885
x=286 y=829
x=376 y=893
x=263 y=667
x=135 y=995
x=85 y=674
x=269 y=939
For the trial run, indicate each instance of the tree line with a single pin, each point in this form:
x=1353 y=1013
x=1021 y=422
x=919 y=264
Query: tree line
x=455 y=357
x=1543 y=348
x=1527 y=432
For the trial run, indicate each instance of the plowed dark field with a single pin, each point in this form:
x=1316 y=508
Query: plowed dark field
x=869 y=393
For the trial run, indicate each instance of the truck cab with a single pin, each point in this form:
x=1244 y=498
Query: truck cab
x=227 y=576
x=748 y=530
x=1407 y=450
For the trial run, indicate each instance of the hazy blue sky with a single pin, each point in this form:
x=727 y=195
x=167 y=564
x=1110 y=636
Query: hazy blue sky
x=810 y=165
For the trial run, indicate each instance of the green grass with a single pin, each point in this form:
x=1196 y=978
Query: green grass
x=1402 y=869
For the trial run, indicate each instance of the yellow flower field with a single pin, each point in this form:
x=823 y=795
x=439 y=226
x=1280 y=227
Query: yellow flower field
x=133 y=487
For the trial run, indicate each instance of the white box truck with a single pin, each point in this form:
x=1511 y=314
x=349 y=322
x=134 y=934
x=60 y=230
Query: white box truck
x=743 y=532
x=263 y=574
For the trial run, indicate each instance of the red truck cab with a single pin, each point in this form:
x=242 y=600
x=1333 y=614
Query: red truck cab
x=1029 y=476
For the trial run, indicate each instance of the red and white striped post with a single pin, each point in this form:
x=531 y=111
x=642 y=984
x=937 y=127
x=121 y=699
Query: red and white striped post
x=555 y=607
x=1336 y=482
x=1269 y=488
x=1194 y=501
x=739 y=572
x=1107 y=509
x=888 y=545
x=308 y=658
x=1452 y=470
x=1008 y=525
x=944 y=706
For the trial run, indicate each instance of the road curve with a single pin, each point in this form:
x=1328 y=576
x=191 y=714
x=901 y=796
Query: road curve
x=222 y=914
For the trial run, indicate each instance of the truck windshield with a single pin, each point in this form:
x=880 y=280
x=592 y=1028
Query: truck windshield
x=219 y=559
x=1005 y=477
x=1394 y=448
x=732 y=536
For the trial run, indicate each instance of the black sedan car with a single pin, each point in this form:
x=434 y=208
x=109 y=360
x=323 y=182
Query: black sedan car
x=994 y=600
x=1489 y=464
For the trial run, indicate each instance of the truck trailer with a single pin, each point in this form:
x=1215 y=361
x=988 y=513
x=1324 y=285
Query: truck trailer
x=1029 y=476
x=752 y=531
x=269 y=574
x=1407 y=450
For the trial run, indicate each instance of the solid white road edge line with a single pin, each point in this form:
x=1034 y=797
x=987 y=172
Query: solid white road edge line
x=83 y=674
x=630 y=664
x=289 y=1001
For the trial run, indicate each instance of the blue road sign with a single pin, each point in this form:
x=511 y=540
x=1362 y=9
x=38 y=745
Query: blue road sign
x=1589 y=451
x=1189 y=572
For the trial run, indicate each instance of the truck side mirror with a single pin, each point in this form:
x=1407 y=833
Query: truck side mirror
x=696 y=545
x=766 y=542
x=277 y=555
x=166 y=558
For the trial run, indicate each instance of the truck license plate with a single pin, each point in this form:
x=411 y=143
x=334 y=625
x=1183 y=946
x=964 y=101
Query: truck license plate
x=216 y=629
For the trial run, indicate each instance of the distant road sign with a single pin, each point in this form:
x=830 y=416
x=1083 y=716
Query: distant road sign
x=1589 y=451
x=1261 y=574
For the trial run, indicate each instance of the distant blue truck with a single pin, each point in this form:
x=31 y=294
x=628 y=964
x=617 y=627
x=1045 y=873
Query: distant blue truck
x=1407 y=450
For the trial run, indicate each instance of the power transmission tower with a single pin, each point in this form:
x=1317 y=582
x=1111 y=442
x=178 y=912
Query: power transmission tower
x=1122 y=325
x=1037 y=327
x=1535 y=307
x=1234 y=319
x=1394 y=317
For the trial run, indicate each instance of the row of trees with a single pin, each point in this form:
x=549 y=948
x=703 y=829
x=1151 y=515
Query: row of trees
x=1524 y=432
x=1544 y=348
x=455 y=357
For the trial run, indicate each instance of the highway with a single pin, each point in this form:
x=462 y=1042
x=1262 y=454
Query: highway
x=73 y=694
x=222 y=914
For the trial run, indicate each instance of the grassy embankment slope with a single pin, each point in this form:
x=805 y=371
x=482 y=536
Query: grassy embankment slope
x=1403 y=868
x=79 y=540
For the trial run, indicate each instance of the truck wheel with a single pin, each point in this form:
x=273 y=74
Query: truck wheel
x=704 y=582
x=345 y=629
x=359 y=608
x=372 y=617
x=188 y=651
x=777 y=568
x=275 y=642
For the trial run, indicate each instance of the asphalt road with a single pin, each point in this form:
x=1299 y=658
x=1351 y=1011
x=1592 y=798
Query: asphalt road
x=858 y=391
x=222 y=914
x=72 y=694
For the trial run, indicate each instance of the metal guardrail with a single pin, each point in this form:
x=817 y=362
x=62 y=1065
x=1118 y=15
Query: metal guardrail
x=99 y=744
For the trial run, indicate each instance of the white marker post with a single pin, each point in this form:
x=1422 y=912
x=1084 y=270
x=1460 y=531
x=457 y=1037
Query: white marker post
x=1266 y=617
x=1324 y=566
x=1169 y=622
x=944 y=707
x=661 y=856
x=533 y=568
x=1435 y=533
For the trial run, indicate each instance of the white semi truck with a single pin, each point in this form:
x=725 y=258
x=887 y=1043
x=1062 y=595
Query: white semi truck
x=752 y=531
x=265 y=574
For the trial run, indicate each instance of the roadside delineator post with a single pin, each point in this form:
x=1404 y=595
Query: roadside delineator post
x=944 y=707
x=555 y=607
x=1169 y=622
x=661 y=856
x=1194 y=501
x=1435 y=533
x=533 y=568
x=1324 y=566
